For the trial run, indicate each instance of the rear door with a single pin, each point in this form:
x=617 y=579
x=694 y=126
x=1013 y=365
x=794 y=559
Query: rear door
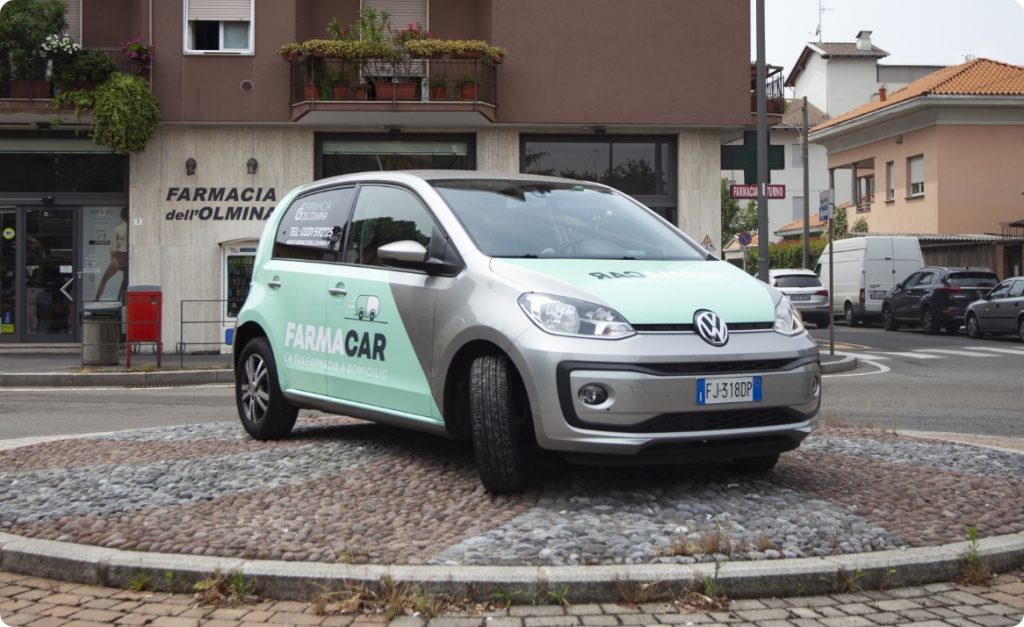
x=993 y=311
x=294 y=284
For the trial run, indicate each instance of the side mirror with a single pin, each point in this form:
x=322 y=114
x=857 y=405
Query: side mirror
x=899 y=285
x=412 y=255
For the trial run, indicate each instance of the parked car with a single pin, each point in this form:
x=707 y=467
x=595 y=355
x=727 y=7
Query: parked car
x=999 y=311
x=516 y=311
x=805 y=291
x=935 y=298
x=863 y=271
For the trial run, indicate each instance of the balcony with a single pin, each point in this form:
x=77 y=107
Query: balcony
x=383 y=92
x=776 y=101
x=32 y=101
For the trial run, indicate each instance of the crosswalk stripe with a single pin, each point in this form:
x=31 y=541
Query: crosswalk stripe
x=1007 y=351
x=958 y=353
x=913 y=355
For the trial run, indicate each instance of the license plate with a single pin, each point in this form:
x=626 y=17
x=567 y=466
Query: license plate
x=800 y=297
x=728 y=390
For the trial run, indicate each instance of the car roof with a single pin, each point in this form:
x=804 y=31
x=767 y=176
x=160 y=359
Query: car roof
x=785 y=271
x=410 y=176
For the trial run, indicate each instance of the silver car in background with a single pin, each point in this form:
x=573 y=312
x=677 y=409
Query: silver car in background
x=805 y=291
x=999 y=311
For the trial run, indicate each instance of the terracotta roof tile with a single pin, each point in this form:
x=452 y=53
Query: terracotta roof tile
x=794 y=114
x=979 y=77
x=813 y=224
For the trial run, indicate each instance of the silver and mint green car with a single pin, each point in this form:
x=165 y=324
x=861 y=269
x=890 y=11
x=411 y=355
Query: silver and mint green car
x=513 y=311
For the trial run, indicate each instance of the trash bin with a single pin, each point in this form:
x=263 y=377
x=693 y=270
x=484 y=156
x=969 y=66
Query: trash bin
x=101 y=334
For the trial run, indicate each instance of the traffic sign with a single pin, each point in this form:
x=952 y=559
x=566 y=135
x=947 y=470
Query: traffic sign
x=826 y=202
x=744 y=238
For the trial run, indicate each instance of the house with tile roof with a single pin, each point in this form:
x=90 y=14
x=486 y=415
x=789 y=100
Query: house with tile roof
x=945 y=151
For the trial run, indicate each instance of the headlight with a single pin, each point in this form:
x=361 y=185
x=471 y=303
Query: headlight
x=568 y=316
x=787 y=319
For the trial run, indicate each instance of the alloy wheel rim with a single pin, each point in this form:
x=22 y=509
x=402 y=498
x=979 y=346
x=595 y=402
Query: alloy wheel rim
x=255 y=389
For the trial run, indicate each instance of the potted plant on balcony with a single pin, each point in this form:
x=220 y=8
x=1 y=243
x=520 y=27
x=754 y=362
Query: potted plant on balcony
x=438 y=86
x=467 y=87
x=24 y=27
x=125 y=113
x=84 y=70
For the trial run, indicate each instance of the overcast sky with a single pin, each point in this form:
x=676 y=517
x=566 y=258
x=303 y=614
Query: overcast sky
x=913 y=32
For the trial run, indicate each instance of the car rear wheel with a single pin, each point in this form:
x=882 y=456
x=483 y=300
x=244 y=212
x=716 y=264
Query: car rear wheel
x=264 y=411
x=851 y=318
x=761 y=463
x=928 y=322
x=1020 y=328
x=889 y=320
x=973 y=329
x=497 y=418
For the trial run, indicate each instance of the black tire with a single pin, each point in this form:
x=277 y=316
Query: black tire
x=761 y=463
x=264 y=412
x=928 y=322
x=1020 y=328
x=889 y=320
x=497 y=420
x=973 y=328
x=851 y=318
x=823 y=323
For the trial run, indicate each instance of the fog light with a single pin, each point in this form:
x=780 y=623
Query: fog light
x=592 y=394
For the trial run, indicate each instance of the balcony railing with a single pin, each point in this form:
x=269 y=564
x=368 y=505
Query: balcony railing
x=773 y=85
x=44 y=91
x=366 y=83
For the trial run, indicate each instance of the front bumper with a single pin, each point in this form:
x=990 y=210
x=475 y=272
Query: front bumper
x=651 y=381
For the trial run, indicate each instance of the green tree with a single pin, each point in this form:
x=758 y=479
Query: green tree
x=840 y=228
x=785 y=254
x=736 y=217
x=860 y=226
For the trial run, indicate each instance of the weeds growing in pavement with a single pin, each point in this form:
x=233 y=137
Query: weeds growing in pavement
x=225 y=589
x=633 y=593
x=886 y=581
x=390 y=599
x=848 y=582
x=169 y=581
x=140 y=582
x=975 y=571
x=764 y=542
x=560 y=596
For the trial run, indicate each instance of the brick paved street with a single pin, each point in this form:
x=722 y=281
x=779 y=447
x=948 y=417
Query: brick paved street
x=47 y=603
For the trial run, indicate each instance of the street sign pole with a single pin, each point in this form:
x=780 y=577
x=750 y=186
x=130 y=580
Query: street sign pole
x=831 y=268
x=762 y=150
x=807 y=193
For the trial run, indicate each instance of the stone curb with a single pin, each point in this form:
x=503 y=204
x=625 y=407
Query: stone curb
x=584 y=584
x=201 y=377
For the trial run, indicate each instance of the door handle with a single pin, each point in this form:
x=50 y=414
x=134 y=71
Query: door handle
x=337 y=291
x=274 y=283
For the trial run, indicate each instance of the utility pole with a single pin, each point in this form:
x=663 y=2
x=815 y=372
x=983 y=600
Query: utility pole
x=762 y=151
x=807 y=192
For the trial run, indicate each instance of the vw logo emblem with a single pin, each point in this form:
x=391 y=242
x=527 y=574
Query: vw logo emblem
x=711 y=328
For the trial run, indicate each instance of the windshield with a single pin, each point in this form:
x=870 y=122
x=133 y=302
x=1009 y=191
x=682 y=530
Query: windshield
x=529 y=219
x=972 y=279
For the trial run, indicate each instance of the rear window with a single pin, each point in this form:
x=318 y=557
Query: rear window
x=797 y=280
x=972 y=279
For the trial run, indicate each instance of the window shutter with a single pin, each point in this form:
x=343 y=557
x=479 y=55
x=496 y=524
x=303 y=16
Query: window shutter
x=220 y=10
x=402 y=12
x=917 y=169
x=73 y=16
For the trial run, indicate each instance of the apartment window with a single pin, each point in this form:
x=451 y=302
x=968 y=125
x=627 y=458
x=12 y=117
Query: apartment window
x=915 y=176
x=798 y=207
x=344 y=154
x=402 y=12
x=890 y=183
x=218 y=26
x=642 y=167
x=796 y=155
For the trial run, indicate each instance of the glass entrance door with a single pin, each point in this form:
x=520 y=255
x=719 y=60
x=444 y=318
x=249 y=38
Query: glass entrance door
x=50 y=294
x=8 y=272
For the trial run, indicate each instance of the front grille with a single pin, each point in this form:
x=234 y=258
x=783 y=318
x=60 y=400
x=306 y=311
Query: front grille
x=714 y=421
x=719 y=367
x=688 y=327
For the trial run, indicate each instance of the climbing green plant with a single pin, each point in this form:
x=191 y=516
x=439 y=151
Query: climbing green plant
x=124 y=110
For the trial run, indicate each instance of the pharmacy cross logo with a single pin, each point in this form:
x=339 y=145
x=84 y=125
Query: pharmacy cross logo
x=710 y=327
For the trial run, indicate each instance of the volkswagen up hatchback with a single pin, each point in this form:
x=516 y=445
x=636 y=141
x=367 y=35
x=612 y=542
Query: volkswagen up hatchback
x=511 y=310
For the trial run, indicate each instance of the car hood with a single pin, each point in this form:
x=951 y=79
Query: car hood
x=647 y=292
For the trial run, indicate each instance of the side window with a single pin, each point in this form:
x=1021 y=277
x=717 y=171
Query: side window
x=912 y=280
x=312 y=228
x=1018 y=289
x=1001 y=290
x=384 y=215
x=927 y=278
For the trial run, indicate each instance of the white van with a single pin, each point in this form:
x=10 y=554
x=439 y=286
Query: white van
x=866 y=268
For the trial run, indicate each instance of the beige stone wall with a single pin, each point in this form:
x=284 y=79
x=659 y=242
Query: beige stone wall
x=699 y=183
x=183 y=257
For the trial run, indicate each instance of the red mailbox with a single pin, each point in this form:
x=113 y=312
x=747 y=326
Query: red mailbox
x=144 y=319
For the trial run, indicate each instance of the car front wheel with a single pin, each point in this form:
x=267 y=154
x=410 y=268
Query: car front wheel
x=851 y=318
x=497 y=419
x=264 y=411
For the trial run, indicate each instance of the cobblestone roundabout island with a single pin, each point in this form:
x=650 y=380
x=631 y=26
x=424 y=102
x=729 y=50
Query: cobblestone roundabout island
x=346 y=491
